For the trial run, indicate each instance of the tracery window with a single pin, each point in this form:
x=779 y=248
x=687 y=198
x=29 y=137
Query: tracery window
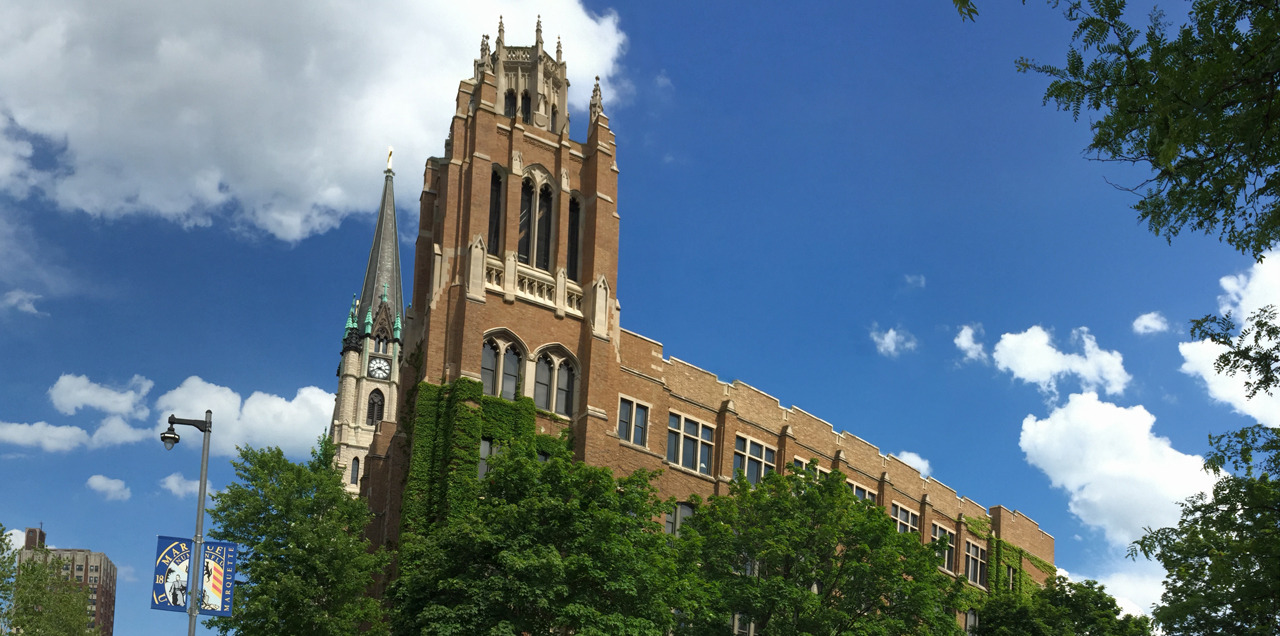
x=373 y=414
x=554 y=378
x=536 y=215
x=500 y=361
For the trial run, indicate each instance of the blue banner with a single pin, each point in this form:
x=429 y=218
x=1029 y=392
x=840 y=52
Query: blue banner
x=173 y=559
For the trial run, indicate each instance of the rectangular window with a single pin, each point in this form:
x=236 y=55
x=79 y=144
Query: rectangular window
x=948 y=557
x=1010 y=576
x=675 y=518
x=753 y=459
x=633 y=422
x=93 y=568
x=488 y=448
x=689 y=443
x=79 y=567
x=93 y=579
x=743 y=626
x=907 y=521
x=862 y=493
x=975 y=563
x=970 y=621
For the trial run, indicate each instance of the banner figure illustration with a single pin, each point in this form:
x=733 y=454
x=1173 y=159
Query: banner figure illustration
x=173 y=561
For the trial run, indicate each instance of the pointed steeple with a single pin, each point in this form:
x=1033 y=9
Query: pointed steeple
x=382 y=276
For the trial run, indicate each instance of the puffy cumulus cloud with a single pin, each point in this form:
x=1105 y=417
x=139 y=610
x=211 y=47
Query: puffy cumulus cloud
x=1152 y=322
x=260 y=420
x=1243 y=294
x=111 y=489
x=967 y=342
x=16 y=537
x=275 y=113
x=915 y=461
x=114 y=431
x=42 y=435
x=891 y=343
x=1031 y=357
x=73 y=392
x=1198 y=359
x=20 y=300
x=1136 y=585
x=180 y=486
x=1118 y=475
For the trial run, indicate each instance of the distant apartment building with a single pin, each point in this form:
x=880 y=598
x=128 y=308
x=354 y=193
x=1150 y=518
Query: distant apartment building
x=92 y=570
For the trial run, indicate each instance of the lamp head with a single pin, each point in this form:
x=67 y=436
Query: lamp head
x=169 y=437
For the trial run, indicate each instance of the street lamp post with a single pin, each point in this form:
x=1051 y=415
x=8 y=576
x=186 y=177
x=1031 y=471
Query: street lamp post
x=195 y=578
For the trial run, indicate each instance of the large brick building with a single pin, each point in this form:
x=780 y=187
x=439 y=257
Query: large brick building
x=516 y=286
x=91 y=570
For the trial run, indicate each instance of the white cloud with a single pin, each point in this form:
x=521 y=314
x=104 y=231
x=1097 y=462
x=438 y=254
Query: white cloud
x=114 y=431
x=260 y=420
x=1244 y=294
x=1136 y=585
x=662 y=82
x=50 y=438
x=892 y=342
x=180 y=486
x=915 y=461
x=1152 y=322
x=20 y=300
x=914 y=280
x=1119 y=476
x=17 y=537
x=1031 y=357
x=275 y=113
x=967 y=343
x=111 y=489
x=71 y=392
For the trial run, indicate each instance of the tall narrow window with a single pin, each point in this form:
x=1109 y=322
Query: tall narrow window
x=526 y=107
x=487 y=449
x=573 y=247
x=374 y=414
x=555 y=119
x=510 y=373
x=526 y=220
x=564 y=389
x=509 y=105
x=355 y=470
x=543 y=254
x=948 y=557
x=542 y=383
x=489 y=367
x=689 y=443
x=495 y=214
x=975 y=563
x=676 y=517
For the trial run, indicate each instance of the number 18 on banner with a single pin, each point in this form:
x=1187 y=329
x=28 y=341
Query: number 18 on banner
x=173 y=561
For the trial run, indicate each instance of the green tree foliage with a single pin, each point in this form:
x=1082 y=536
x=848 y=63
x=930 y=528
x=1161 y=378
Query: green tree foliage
x=304 y=564
x=1223 y=558
x=1253 y=351
x=8 y=568
x=1062 y=608
x=1199 y=106
x=800 y=554
x=553 y=546
x=45 y=601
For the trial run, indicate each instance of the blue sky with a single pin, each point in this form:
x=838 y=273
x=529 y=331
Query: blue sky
x=860 y=208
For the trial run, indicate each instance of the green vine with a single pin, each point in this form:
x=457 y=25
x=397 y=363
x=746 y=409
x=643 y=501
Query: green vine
x=1003 y=560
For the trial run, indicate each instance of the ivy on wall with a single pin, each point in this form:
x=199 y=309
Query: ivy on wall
x=1002 y=558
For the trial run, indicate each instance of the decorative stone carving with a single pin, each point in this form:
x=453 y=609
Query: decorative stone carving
x=564 y=180
x=475 y=270
x=517 y=162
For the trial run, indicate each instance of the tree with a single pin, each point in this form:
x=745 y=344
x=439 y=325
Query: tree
x=8 y=568
x=304 y=564
x=800 y=554
x=553 y=546
x=1201 y=109
x=1061 y=608
x=45 y=601
x=1223 y=558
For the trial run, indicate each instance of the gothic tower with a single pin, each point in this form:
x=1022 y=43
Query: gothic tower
x=369 y=374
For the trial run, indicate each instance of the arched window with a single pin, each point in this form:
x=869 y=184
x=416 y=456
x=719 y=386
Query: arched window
x=543 y=254
x=374 y=413
x=489 y=367
x=500 y=365
x=526 y=220
x=555 y=119
x=565 y=379
x=526 y=108
x=509 y=106
x=510 y=373
x=542 y=383
x=554 y=381
x=355 y=470
x=495 y=214
x=572 y=256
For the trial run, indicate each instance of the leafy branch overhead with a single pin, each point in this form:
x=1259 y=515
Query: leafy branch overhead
x=1199 y=105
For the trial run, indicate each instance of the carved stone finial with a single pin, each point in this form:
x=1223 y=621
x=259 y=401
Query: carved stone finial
x=500 y=31
x=539 y=30
x=559 y=51
x=485 y=62
x=390 y=150
x=597 y=103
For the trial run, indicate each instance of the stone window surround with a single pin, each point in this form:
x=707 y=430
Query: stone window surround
x=648 y=425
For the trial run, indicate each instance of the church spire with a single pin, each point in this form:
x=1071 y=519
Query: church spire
x=382 y=276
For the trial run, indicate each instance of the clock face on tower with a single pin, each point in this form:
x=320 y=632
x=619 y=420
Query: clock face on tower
x=379 y=368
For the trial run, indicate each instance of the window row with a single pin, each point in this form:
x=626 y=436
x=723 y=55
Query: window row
x=536 y=226
x=554 y=375
x=524 y=104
